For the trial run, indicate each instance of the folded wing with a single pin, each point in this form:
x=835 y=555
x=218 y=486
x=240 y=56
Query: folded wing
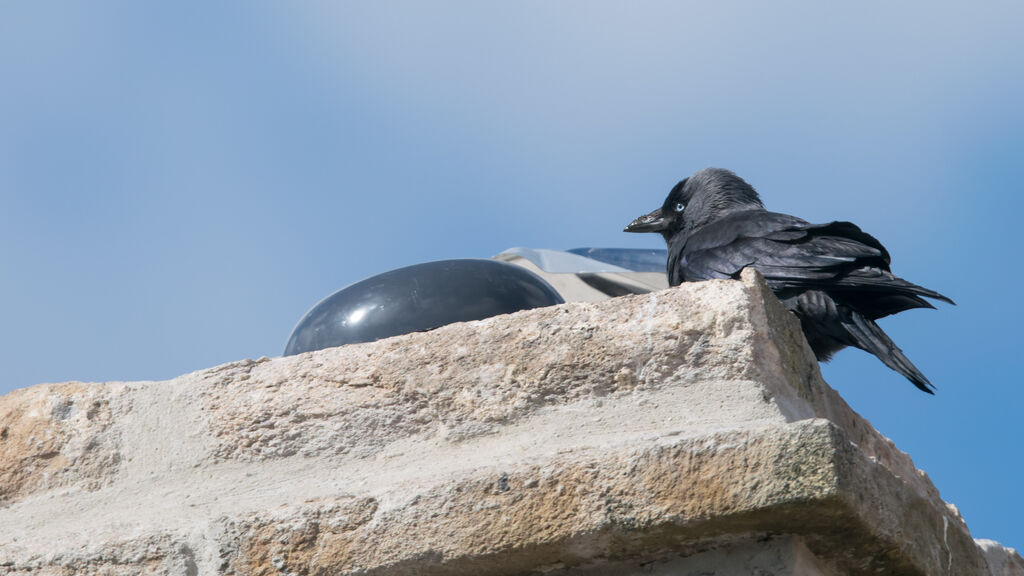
x=795 y=256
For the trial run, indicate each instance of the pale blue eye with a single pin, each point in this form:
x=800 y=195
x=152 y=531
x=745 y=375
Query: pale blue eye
x=679 y=207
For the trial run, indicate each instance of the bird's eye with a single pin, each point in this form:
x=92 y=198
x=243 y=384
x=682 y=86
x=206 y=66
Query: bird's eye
x=680 y=206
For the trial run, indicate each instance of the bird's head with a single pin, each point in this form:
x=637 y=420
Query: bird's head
x=706 y=196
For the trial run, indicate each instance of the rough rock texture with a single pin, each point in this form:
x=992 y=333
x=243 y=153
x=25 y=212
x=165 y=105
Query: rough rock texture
x=686 y=431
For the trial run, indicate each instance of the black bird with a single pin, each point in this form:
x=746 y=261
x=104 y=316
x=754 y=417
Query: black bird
x=833 y=276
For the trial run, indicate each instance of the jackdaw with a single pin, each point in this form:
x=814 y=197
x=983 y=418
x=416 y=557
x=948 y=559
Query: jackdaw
x=833 y=276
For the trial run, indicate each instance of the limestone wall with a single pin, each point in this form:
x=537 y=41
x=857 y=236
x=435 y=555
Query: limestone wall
x=686 y=431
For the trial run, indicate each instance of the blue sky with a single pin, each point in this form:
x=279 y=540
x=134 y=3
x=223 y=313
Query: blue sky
x=181 y=182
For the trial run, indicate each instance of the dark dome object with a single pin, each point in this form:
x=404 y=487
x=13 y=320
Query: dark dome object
x=418 y=298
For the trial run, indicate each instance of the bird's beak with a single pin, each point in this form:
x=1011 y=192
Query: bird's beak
x=653 y=222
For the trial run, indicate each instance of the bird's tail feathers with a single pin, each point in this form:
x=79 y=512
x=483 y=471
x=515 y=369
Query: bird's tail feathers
x=869 y=336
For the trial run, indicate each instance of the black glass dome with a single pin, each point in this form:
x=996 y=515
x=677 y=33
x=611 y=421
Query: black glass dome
x=418 y=298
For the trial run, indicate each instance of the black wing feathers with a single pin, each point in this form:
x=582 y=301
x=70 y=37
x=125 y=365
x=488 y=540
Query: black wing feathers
x=794 y=255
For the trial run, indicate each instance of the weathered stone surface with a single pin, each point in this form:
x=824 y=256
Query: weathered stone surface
x=681 y=432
